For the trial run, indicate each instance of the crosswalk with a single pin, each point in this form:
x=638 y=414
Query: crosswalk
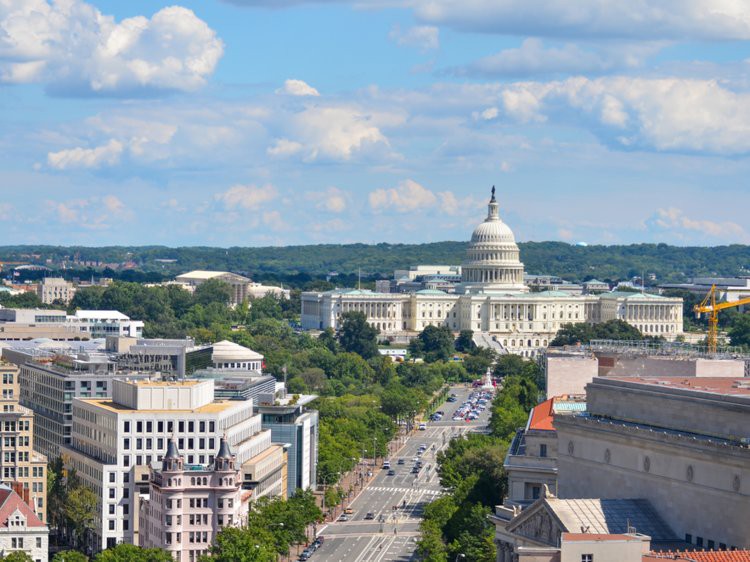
x=404 y=490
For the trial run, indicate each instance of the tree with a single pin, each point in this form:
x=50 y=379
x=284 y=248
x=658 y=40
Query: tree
x=465 y=341
x=17 y=556
x=124 y=552
x=80 y=512
x=70 y=556
x=436 y=343
x=572 y=334
x=357 y=336
x=234 y=544
x=739 y=333
x=213 y=291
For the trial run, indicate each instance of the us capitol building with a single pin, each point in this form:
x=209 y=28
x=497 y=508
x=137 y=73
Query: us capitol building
x=493 y=299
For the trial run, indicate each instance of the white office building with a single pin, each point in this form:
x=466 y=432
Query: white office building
x=114 y=440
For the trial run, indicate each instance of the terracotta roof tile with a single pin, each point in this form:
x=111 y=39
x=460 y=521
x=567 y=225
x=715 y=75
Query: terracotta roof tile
x=10 y=502
x=542 y=416
x=700 y=556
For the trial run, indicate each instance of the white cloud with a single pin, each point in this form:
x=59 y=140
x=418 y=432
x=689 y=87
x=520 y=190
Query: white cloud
x=408 y=196
x=297 y=88
x=284 y=147
x=674 y=221
x=75 y=49
x=247 y=197
x=86 y=157
x=339 y=132
x=643 y=19
x=91 y=213
x=666 y=114
x=333 y=200
x=534 y=58
x=424 y=37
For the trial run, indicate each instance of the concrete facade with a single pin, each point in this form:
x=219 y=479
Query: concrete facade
x=681 y=443
x=115 y=439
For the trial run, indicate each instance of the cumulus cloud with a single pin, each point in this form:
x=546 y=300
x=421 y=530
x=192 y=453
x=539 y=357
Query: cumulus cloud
x=333 y=200
x=91 y=213
x=297 y=88
x=406 y=197
x=335 y=132
x=76 y=50
x=674 y=221
x=424 y=37
x=247 y=197
x=78 y=157
x=666 y=114
x=638 y=19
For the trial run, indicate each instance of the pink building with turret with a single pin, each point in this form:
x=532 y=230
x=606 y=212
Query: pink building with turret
x=189 y=504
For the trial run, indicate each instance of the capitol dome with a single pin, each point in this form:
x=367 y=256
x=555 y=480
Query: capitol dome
x=492 y=259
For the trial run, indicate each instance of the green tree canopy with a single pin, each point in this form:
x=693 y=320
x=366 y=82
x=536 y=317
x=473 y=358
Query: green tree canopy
x=434 y=344
x=124 y=552
x=70 y=556
x=357 y=336
x=465 y=341
x=739 y=333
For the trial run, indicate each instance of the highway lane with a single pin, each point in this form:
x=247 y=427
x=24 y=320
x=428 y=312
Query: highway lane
x=392 y=534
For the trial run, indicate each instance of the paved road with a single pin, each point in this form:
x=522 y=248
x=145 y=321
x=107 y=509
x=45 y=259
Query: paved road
x=393 y=534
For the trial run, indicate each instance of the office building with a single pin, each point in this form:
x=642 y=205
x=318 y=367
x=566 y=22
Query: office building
x=295 y=426
x=55 y=290
x=531 y=461
x=20 y=463
x=188 y=504
x=115 y=439
x=680 y=442
x=17 y=324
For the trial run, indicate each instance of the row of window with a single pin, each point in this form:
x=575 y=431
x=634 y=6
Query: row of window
x=160 y=426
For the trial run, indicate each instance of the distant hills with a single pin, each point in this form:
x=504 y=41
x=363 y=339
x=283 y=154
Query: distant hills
x=575 y=263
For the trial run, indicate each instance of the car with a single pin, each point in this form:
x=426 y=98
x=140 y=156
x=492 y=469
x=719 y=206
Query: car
x=422 y=426
x=348 y=511
x=386 y=465
x=343 y=517
x=391 y=472
x=319 y=540
x=419 y=453
x=400 y=461
x=370 y=516
x=305 y=555
x=423 y=446
x=415 y=470
x=415 y=459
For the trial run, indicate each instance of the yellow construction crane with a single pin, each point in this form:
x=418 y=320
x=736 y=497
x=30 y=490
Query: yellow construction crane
x=710 y=307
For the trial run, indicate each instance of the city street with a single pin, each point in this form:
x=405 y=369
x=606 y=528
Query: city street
x=396 y=502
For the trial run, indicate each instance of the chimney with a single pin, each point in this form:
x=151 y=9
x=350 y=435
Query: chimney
x=23 y=492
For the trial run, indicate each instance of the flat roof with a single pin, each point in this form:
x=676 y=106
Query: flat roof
x=598 y=537
x=212 y=408
x=714 y=385
x=156 y=384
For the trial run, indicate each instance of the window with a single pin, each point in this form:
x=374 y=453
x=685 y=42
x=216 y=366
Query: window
x=112 y=525
x=39 y=542
x=542 y=450
x=587 y=558
x=711 y=545
x=688 y=538
x=698 y=541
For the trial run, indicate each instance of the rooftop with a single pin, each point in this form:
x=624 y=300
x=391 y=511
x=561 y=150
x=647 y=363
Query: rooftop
x=598 y=537
x=211 y=408
x=700 y=556
x=713 y=385
x=542 y=416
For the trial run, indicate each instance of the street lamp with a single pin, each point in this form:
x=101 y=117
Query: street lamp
x=460 y=556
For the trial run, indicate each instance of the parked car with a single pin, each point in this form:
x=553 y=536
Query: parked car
x=348 y=511
x=391 y=472
x=370 y=515
x=319 y=540
x=343 y=517
x=400 y=461
x=422 y=426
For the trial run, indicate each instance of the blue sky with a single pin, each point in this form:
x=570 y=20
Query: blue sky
x=272 y=122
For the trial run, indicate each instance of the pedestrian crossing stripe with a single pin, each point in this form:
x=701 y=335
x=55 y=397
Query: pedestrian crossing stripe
x=393 y=489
